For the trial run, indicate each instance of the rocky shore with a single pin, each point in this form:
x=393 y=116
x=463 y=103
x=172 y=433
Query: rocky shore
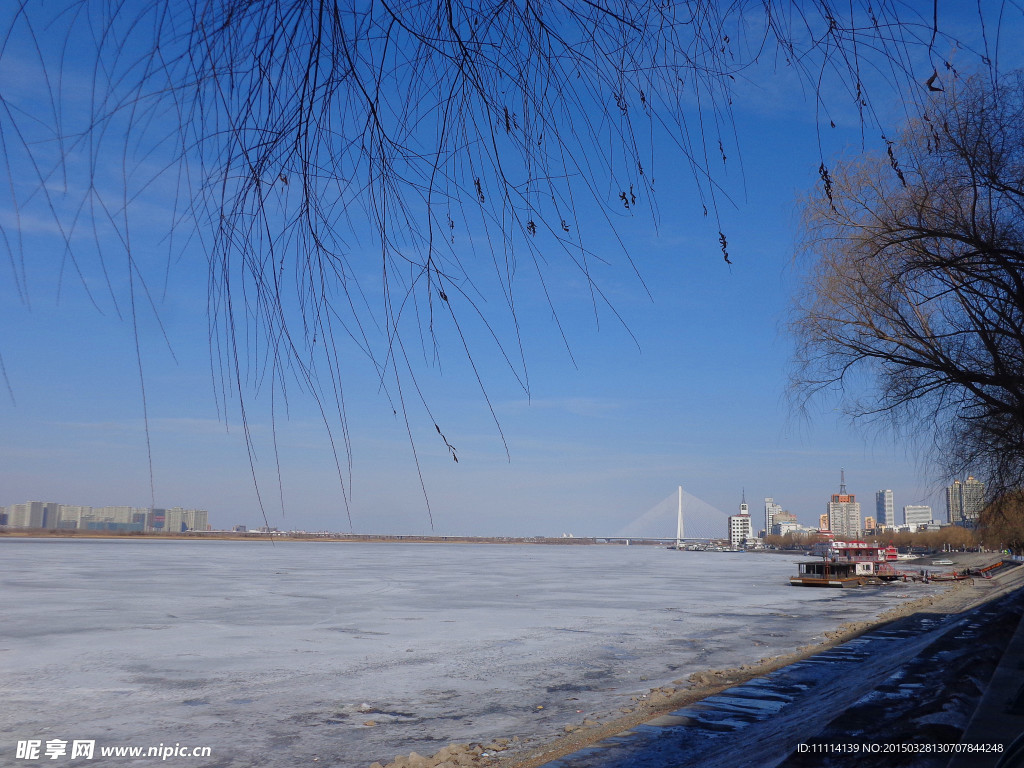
x=516 y=753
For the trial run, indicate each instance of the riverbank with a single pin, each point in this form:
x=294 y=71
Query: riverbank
x=656 y=703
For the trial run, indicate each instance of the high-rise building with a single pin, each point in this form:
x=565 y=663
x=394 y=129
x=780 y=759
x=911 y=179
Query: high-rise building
x=964 y=502
x=916 y=515
x=27 y=515
x=51 y=515
x=174 y=520
x=770 y=510
x=739 y=525
x=114 y=514
x=155 y=519
x=73 y=515
x=974 y=499
x=196 y=519
x=954 y=503
x=885 y=509
x=823 y=522
x=869 y=523
x=844 y=512
x=34 y=514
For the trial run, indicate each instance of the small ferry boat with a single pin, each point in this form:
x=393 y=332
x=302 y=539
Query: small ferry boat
x=825 y=573
x=847 y=564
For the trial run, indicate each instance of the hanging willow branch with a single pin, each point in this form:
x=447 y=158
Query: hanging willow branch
x=373 y=182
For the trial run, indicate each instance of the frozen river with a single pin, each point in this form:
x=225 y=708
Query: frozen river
x=344 y=654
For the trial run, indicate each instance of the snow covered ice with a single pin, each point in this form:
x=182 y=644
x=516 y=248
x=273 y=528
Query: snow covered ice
x=351 y=653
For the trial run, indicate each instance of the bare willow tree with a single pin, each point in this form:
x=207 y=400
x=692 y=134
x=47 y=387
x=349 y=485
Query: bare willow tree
x=368 y=180
x=1001 y=524
x=914 y=304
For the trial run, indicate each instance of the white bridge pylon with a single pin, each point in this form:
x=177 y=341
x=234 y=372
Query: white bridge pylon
x=700 y=520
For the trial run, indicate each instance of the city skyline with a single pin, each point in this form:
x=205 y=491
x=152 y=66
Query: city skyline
x=772 y=510
x=841 y=514
x=51 y=515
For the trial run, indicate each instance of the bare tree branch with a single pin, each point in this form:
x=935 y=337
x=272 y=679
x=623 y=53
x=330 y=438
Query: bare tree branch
x=914 y=304
x=363 y=174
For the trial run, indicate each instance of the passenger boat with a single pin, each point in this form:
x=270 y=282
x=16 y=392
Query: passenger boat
x=847 y=564
x=825 y=573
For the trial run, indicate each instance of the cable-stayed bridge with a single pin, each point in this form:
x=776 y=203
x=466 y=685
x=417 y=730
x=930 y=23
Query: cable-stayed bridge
x=701 y=521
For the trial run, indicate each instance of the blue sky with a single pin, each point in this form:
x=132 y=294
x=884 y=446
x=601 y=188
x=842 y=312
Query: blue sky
x=693 y=393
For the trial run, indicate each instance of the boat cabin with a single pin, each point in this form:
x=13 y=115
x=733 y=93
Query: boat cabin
x=827 y=573
x=853 y=551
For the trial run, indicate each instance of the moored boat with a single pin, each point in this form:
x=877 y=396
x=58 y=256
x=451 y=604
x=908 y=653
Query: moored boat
x=826 y=573
x=847 y=564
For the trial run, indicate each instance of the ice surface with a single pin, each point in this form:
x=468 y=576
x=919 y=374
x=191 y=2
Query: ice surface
x=279 y=654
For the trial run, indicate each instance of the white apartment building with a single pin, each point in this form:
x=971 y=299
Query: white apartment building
x=72 y=515
x=27 y=515
x=917 y=515
x=177 y=520
x=197 y=519
x=740 y=529
x=771 y=509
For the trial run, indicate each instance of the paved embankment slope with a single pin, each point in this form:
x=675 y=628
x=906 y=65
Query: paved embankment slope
x=1000 y=714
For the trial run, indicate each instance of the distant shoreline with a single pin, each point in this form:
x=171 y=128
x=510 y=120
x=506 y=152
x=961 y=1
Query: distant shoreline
x=343 y=538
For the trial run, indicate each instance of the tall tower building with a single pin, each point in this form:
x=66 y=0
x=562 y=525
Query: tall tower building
x=844 y=512
x=885 y=509
x=974 y=500
x=954 y=503
x=964 y=502
x=771 y=509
